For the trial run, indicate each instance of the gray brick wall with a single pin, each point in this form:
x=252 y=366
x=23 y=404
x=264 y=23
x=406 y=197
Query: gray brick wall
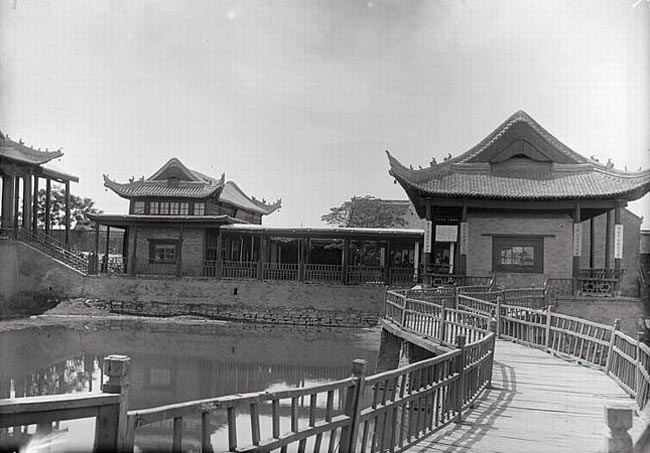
x=558 y=251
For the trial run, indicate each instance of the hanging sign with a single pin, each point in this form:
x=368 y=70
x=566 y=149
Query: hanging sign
x=463 y=238
x=427 y=236
x=618 y=242
x=446 y=233
x=577 y=239
x=416 y=260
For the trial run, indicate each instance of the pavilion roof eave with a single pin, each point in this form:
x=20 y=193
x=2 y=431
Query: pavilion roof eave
x=132 y=219
x=326 y=232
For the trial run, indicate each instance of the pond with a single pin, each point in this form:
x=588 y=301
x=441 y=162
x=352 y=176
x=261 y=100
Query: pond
x=173 y=362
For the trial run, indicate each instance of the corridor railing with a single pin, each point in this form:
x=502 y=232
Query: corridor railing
x=50 y=246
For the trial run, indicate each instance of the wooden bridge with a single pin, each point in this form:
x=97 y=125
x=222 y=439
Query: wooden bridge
x=542 y=390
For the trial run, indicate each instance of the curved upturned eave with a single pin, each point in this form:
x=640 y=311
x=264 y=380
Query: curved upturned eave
x=119 y=189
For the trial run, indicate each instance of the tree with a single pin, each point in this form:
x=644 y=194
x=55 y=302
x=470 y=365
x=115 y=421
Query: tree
x=366 y=212
x=79 y=207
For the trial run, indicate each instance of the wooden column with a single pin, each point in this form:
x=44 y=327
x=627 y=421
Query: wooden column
x=608 y=239
x=107 y=248
x=387 y=264
x=219 y=264
x=67 y=213
x=618 y=231
x=577 y=240
x=16 y=202
x=592 y=243
x=48 y=207
x=462 y=242
x=96 y=262
x=179 y=258
x=27 y=201
x=125 y=250
x=427 y=254
x=301 y=260
x=35 y=205
x=7 y=201
x=263 y=252
x=344 y=261
x=134 y=253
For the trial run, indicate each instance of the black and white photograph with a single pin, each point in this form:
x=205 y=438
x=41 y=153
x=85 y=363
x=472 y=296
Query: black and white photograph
x=325 y=226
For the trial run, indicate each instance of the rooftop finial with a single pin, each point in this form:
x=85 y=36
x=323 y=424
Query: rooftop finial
x=433 y=162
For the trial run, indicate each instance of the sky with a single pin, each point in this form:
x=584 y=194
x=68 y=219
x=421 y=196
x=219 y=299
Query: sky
x=299 y=99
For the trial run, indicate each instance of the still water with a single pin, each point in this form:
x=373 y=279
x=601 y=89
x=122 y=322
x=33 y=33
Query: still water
x=172 y=362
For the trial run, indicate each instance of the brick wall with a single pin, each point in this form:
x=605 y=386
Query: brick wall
x=193 y=247
x=558 y=251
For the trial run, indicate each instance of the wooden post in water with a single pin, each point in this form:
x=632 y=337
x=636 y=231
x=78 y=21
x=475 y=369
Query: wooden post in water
x=353 y=407
x=619 y=420
x=460 y=384
x=111 y=424
x=610 y=349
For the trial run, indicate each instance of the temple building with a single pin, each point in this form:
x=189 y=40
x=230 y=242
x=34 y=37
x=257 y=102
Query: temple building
x=22 y=168
x=526 y=207
x=174 y=218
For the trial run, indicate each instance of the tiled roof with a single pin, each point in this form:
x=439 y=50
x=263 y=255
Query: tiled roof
x=189 y=183
x=146 y=188
x=554 y=171
x=234 y=195
x=19 y=152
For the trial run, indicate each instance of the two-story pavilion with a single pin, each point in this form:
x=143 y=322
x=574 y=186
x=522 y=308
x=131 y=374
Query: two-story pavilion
x=174 y=217
x=22 y=167
x=517 y=204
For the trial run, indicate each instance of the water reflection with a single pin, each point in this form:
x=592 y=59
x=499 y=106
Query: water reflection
x=172 y=363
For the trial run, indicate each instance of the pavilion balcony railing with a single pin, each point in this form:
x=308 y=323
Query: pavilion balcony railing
x=365 y=275
x=281 y=271
x=598 y=282
x=331 y=273
x=244 y=270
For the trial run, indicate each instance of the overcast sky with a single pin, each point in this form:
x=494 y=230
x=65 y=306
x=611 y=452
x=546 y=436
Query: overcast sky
x=299 y=99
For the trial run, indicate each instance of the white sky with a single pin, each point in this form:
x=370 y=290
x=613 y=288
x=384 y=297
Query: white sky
x=299 y=99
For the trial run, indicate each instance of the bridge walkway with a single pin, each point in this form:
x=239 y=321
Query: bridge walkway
x=538 y=403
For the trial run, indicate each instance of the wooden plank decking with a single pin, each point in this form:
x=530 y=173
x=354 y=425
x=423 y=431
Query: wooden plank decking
x=538 y=403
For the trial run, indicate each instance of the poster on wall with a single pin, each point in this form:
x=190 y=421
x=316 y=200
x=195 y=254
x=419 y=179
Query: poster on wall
x=577 y=239
x=446 y=233
x=618 y=242
x=463 y=238
x=427 y=236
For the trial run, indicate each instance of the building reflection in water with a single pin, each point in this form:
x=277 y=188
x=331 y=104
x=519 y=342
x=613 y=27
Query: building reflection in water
x=171 y=364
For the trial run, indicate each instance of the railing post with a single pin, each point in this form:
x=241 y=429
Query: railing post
x=498 y=316
x=443 y=317
x=460 y=384
x=402 y=321
x=619 y=420
x=610 y=349
x=637 y=374
x=353 y=407
x=549 y=318
x=456 y=297
x=111 y=424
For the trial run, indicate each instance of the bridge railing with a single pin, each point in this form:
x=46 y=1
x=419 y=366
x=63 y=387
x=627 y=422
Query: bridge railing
x=625 y=359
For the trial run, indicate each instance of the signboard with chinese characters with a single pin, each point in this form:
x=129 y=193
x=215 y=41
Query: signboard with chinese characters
x=618 y=242
x=463 y=238
x=427 y=236
x=446 y=233
x=577 y=239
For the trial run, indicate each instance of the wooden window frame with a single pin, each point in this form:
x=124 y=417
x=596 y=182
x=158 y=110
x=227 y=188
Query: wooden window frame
x=534 y=241
x=196 y=205
x=156 y=242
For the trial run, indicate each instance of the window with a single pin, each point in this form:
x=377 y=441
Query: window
x=162 y=251
x=184 y=208
x=518 y=254
x=164 y=207
x=154 y=207
x=138 y=207
x=199 y=208
x=173 y=208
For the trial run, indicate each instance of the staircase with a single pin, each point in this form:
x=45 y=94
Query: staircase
x=52 y=247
